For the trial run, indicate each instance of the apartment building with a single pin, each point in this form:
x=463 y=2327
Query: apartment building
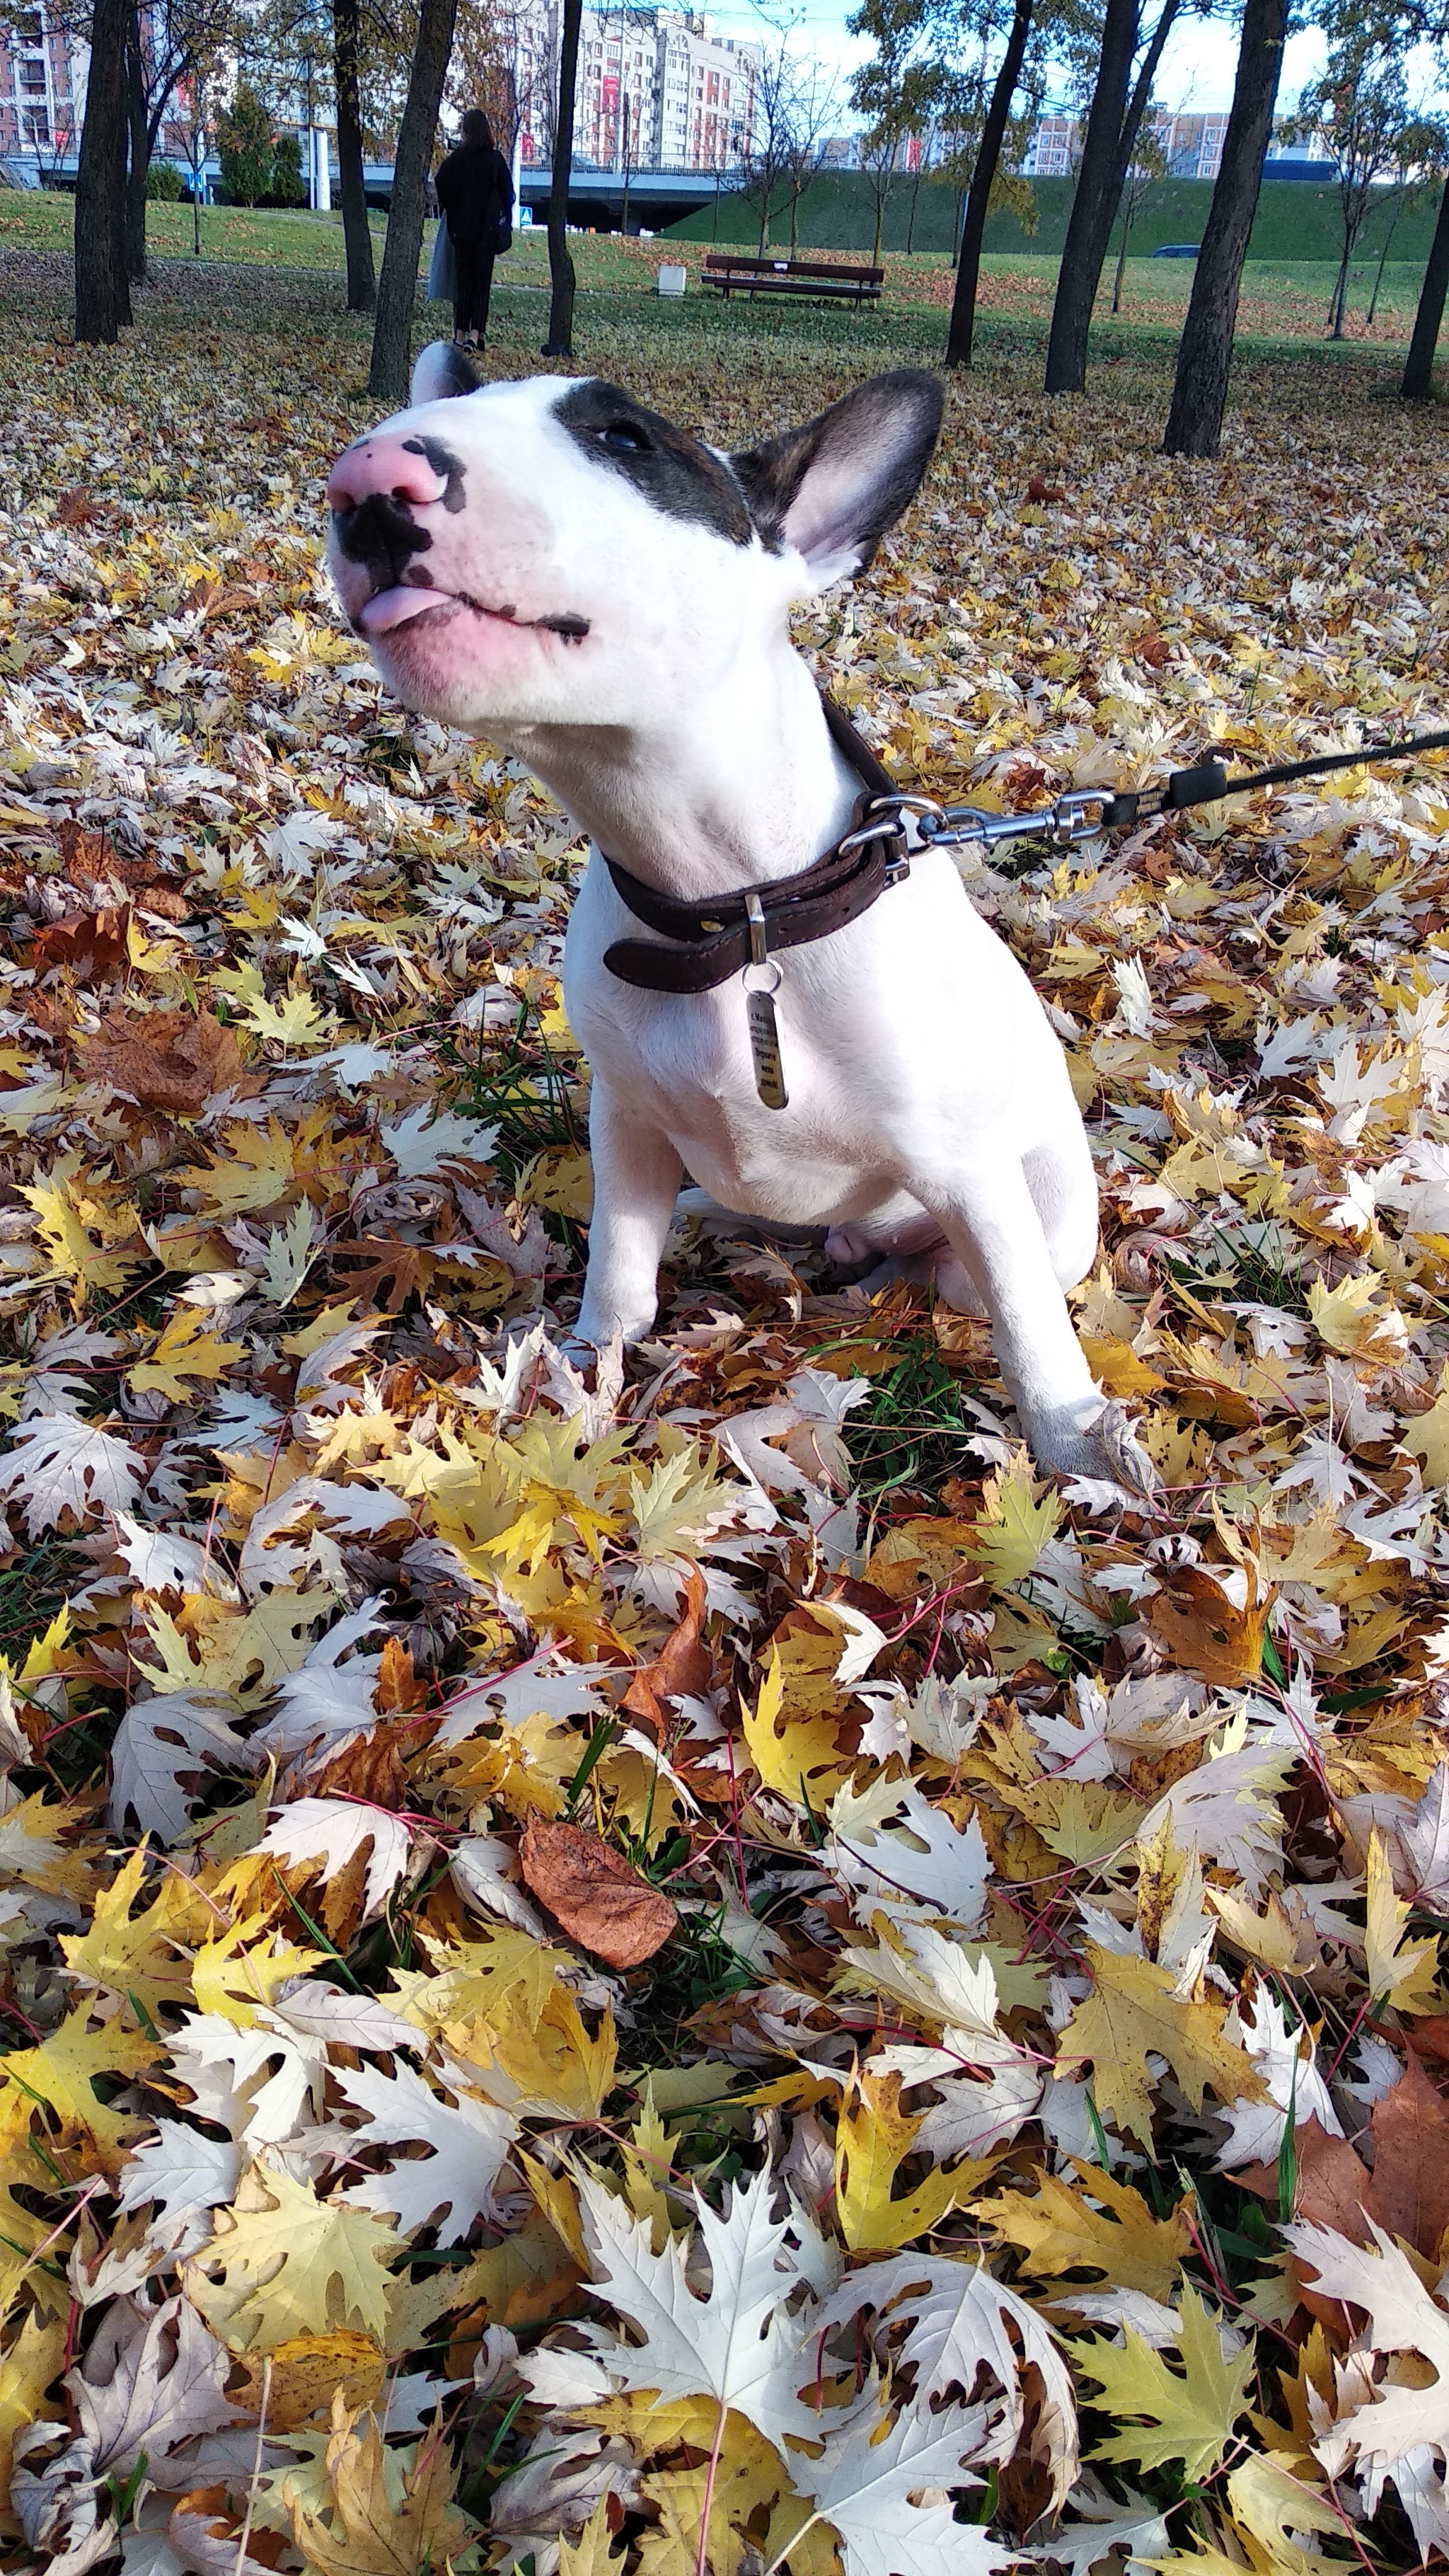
x=1192 y=145
x=42 y=85
x=655 y=88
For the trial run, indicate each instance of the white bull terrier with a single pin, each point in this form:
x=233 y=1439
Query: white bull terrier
x=551 y=565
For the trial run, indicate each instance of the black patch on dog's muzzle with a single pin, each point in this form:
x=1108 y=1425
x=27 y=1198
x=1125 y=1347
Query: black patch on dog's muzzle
x=381 y=534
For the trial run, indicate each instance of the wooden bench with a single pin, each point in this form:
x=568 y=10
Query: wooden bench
x=734 y=274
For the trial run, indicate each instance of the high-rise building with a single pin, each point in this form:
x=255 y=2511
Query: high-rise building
x=655 y=88
x=42 y=85
x=1191 y=144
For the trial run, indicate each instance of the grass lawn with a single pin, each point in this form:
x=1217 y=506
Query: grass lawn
x=1282 y=300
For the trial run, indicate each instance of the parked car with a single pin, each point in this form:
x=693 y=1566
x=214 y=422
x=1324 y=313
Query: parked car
x=1178 y=250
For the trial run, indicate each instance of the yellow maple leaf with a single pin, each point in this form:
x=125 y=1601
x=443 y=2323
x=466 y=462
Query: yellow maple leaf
x=872 y=2140
x=282 y=2263
x=294 y=1021
x=81 y=1231
x=477 y=1986
x=60 y=2071
x=1347 y=1319
x=364 y=2533
x=141 y=1960
x=552 y=2067
x=799 y=1760
x=1401 y=1972
x=593 y=2553
x=646 y=2162
x=1058 y=2231
x=234 y=1973
x=253 y=1169
x=747 y=2477
x=1190 y=2418
x=1015 y=1524
x=1426 y=1437
x=1133 y=2008
x=188 y=1348
x=236 y=1653
x=36 y=2357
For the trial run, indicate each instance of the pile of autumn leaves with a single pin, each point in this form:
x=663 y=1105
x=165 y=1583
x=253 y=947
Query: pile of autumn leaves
x=577 y=1994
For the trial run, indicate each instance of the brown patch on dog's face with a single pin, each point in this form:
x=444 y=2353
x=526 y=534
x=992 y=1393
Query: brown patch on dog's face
x=670 y=470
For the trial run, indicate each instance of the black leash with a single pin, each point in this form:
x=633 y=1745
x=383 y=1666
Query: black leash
x=1083 y=812
x=713 y=941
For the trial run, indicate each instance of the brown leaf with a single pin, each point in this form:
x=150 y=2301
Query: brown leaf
x=77 y=507
x=1037 y=490
x=601 y=1902
x=172 y=1060
x=398 y=1686
x=682 y=1669
x=91 y=944
x=1153 y=649
x=1193 y=1618
x=1409 y=2193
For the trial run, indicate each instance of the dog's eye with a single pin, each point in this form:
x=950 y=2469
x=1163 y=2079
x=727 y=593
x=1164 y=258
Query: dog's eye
x=624 y=439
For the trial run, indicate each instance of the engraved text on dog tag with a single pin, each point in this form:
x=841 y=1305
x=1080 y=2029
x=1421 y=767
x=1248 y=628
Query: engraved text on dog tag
x=765 y=1048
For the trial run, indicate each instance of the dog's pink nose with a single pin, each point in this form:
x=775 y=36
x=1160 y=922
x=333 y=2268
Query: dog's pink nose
x=397 y=466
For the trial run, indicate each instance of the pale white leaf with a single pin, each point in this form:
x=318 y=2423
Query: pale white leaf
x=332 y=1831
x=469 y=2141
x=57 y=1463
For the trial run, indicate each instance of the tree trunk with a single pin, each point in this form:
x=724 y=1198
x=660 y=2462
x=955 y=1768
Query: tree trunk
x=102 y=296
x=1200 y=390
x=1417 y=381
x=1093 y=206
x=139 y=154
x=398 y=287
x=911 y=217
x=993 y=134
x=560 y=341
x=1121 y=261
x=880 y=207
x=1336 y=300
x=356 y=234
x=1383 y=261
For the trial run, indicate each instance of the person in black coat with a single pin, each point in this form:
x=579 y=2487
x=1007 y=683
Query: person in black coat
x=475 y=191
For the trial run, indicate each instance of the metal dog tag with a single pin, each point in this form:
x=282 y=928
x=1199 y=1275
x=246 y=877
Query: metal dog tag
x=760 y=1009
x=765 y=1048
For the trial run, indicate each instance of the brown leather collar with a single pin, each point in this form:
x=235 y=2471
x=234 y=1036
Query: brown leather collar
x=715 y=935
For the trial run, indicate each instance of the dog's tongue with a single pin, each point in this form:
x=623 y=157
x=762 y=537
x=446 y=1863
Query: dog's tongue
x=394 y=607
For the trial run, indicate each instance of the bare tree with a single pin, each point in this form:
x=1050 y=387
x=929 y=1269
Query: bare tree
x=1358 y=111
x=1147 y=167
x=1420 y=162
x=768 y=159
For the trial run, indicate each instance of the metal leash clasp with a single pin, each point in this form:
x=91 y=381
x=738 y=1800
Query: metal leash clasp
x=760 y=1008
x=1074 y=816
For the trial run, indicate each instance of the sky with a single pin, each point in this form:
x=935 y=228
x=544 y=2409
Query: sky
x=1197 y=65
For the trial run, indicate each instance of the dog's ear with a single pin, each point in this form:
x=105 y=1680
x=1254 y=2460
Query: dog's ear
x=833 y=487
x=441 y=370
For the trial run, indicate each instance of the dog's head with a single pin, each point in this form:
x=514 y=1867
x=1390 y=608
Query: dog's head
x=550 y=552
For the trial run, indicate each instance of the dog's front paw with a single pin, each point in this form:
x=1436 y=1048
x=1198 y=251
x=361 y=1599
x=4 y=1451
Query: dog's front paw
x=1106 y=1450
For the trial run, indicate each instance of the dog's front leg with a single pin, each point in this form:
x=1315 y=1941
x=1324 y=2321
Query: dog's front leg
x=636 y=1180
x=991 y=1222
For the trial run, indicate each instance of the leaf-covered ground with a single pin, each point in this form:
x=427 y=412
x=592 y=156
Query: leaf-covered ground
x=700 y=1972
